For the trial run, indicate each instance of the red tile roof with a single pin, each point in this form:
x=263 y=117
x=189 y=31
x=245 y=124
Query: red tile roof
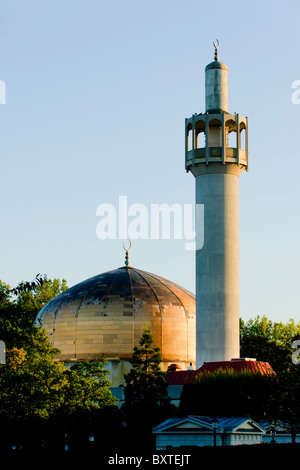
x=238 y=365
x=181 y=377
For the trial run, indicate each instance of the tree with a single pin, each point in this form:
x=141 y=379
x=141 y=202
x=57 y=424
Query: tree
x=145 y=383
x=230 y=393
x=87 y=387
x=288 y=403
x=19 y=307
x=273 y=396
x=31 y=385
x=30 y=300
x=269 y=341
x=42 y=398
x=26 y=286
x=146 y=396
x=35 y=389
x=18 y=310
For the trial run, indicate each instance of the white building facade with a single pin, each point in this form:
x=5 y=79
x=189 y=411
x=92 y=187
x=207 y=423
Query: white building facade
x=201 y=431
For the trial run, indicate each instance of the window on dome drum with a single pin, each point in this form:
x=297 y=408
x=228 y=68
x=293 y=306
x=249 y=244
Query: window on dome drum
x=127 y=314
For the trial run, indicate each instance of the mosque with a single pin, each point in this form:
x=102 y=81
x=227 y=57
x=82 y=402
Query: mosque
x=103 y=317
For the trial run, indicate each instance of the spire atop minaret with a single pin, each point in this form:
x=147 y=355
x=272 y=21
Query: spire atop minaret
x=127 y=252
x=216 y=84
x=216 y=46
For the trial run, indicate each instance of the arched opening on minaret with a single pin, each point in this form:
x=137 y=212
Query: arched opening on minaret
x=201 y=140
x=215 y=133
x=189 y=137
x=242 y=136
x=230 y=133
x=200 y=134
x=232 y=139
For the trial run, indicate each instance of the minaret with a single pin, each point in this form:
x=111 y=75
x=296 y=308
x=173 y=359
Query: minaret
x=217 y=164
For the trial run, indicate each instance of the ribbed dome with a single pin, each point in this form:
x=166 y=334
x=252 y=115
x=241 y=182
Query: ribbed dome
x=104 y=316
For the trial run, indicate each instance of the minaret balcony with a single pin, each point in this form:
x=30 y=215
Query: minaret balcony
x=216 y=155
x=216 y=137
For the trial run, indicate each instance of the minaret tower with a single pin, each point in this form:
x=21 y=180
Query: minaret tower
x=217 y=161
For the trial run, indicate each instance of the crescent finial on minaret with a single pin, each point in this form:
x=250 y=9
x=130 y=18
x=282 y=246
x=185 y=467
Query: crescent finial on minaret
x=216 y=46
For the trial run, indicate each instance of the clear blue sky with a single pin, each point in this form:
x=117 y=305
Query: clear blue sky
x=96 y=97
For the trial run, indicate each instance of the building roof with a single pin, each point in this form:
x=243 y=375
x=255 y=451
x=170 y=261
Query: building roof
x=181 y=377
x=223 y=424
x=238 y=365
x=104 y=316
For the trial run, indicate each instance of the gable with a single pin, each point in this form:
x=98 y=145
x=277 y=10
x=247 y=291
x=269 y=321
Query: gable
x=249 y=426
x=189 y=425
x=192 y=424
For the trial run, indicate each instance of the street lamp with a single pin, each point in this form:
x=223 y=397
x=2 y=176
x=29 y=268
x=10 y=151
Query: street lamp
x=273 y=433
x=214 y=425
x=67 y=441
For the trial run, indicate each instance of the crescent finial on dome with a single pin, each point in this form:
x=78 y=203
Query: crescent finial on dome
x=127 y=252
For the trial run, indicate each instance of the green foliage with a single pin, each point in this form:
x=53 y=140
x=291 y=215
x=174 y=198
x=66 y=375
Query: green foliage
x=29 y=286
x=288 y=403
x=32 y=383
x=31 y=301
x=228 y=393
x=145 y=383
x=272 y=397
x=35 y=385
x=269 y=341
x=146 y=397
x=279 y=332
x=87 y=387
x=18 y=312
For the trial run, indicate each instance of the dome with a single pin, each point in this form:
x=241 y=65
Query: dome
x=104 y=317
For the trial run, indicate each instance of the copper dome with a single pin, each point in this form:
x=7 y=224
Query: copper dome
x=104 y=316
